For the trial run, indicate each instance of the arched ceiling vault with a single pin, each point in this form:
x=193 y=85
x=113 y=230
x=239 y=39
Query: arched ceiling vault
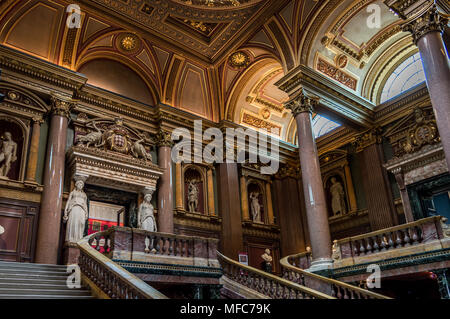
x=207 y=57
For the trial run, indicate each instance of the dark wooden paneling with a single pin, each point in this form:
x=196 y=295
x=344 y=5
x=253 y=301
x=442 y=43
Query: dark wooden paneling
x=19 y=219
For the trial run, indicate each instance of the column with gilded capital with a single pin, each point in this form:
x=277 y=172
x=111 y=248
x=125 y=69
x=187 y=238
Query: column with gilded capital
x=51 y=202
x=165 y=188
x=316 y=209
x=426 y=25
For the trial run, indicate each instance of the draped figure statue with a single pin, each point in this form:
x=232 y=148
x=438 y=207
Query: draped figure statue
x=337 y=197
x=76 y=213
x=147 y=220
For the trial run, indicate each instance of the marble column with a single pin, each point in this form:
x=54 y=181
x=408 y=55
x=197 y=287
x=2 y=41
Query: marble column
x=316 y=208
x=51 y=202
x=404 y=194
x=34 y=151
x=269 y=204
x=178 y=187
x=165 y=190
x=350 y=189
x=244 y=199
x=211 y=205
x=230 y=209
x=426 y=27
x=380 y=203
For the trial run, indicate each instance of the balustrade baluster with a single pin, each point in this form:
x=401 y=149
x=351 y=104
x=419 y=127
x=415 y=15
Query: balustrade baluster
x=368 y=247
x=399 y=239
x=390 y=241
x=362 y=249
x=376 y=247
x=406 y=238
x=414 y=236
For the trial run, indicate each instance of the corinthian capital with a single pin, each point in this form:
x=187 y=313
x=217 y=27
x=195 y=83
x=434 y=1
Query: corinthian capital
x=164 y=138
x=61 y=107
x=301 y=103
x=422 y=16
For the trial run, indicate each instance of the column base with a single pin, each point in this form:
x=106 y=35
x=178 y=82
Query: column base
x=71 y=253
x=321 y=264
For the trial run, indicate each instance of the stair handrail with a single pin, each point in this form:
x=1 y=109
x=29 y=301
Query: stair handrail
x=344 y=290
x=271 y=285
x=112 y=279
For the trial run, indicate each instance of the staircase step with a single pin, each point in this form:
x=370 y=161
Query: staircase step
x=34 y=285
x=32 y=269
x=31 y=292
x=8 y=264
x=29 y=271
x=33 y=280
x=9 y=296
x=47 y=276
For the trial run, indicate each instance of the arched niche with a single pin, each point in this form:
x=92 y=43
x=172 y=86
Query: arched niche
x=19 y=135
x=114 y=76
x=194 y=188
x=256 y=190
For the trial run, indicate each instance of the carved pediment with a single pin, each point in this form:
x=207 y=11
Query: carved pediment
x=413 y=132
x=333 y=157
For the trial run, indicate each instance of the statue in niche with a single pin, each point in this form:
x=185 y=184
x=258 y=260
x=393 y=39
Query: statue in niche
x=337 y=197
x=8 y=154
x=94 y=138
x=76 y=213
x=193 y=196
x=267 y=257
x=147 y=220
x=255 y=207
x=138 y=150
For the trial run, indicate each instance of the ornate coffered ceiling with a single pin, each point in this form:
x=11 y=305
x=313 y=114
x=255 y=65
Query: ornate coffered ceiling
x=206 y=28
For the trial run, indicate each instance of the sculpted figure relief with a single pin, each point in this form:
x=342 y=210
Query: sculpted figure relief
x=8 y=154
x=193 y=196
x=255 y=207
x=94 y=138
x=138 y=150
x=76 y=213
x=146 y=219
x=337 y=197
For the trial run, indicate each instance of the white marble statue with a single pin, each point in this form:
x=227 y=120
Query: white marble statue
x=255 y=207
x=76 y=213
x=8 y=154
x=192 y=197
x=337 y=197
x=146 y=219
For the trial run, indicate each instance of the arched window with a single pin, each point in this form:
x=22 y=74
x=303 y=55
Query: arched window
x=322 y=125
x=407 y=75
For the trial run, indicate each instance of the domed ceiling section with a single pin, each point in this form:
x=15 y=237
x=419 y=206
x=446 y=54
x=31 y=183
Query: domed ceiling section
x=354 y=46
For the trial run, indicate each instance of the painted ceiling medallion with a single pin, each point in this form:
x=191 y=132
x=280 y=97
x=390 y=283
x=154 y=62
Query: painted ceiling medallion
x=239 y=59
x=265 y=113
x=128 y=43
x=341 y=61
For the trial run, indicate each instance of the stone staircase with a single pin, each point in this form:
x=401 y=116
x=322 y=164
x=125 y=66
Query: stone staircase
x=35 y=281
